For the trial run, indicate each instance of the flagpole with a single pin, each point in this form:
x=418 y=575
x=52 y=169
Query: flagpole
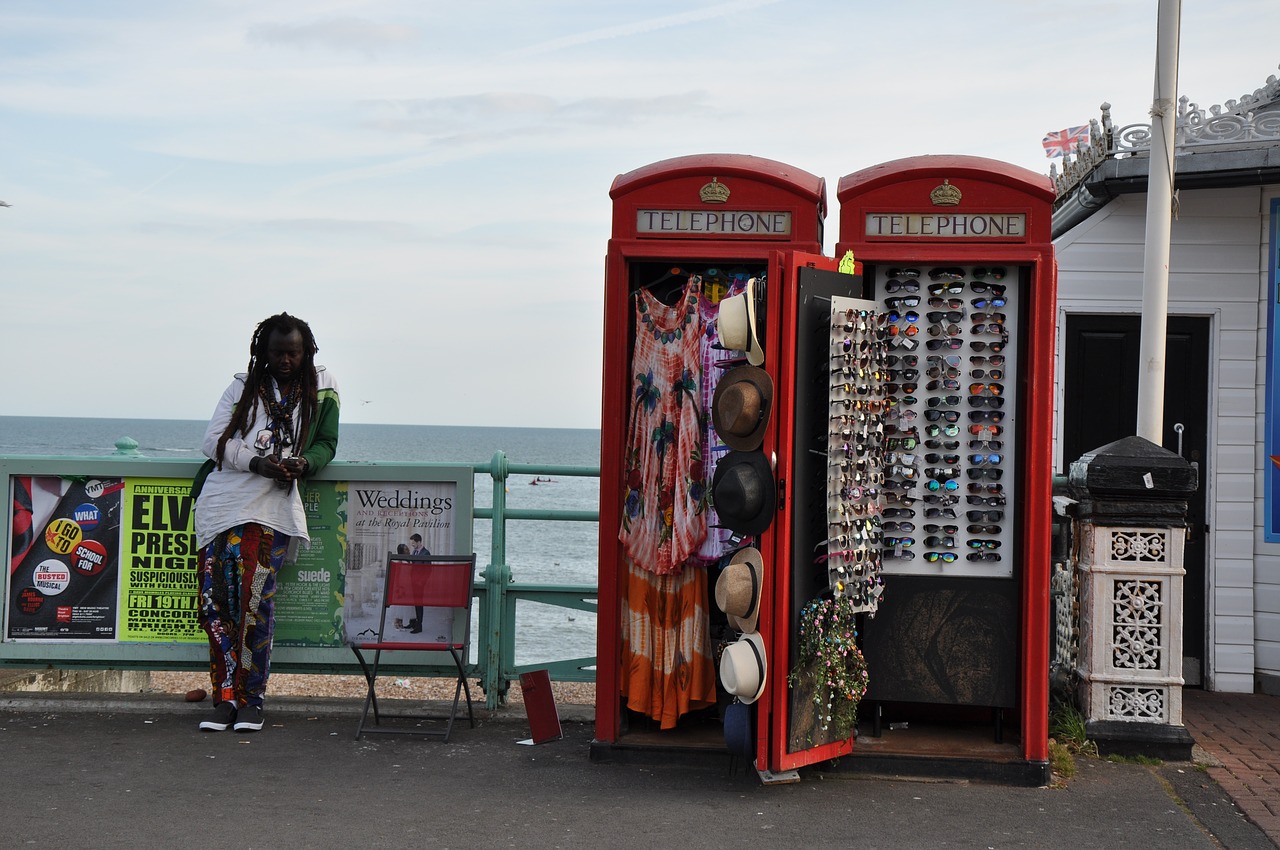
x=1155 y=261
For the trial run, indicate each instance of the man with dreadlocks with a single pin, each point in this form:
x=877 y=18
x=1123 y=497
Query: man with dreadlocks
x=275 y=425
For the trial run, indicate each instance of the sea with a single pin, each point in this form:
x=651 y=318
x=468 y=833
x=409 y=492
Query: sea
x=538 y=552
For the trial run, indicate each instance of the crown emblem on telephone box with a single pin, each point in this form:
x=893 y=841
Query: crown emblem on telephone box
x=945 y=195
x=714 y=192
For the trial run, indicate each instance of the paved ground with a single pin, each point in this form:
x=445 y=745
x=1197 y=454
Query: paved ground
x=109 y=772
x=1242 y=733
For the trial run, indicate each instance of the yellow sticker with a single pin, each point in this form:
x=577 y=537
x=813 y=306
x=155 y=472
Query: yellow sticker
x=63 y=535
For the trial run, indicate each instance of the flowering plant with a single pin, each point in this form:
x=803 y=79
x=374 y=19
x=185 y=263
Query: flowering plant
x=828 y=639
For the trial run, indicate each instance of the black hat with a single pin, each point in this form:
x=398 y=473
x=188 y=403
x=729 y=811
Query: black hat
x=741 y=405
x=743 y=492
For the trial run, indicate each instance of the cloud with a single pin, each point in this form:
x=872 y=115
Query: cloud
x=355 y=34
x=640 y=27
x=467 y=116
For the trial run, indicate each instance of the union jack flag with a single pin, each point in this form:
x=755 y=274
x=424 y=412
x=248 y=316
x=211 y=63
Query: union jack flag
x=1065 y=141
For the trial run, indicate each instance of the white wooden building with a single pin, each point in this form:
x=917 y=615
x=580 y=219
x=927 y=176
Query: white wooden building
x=1222 y=399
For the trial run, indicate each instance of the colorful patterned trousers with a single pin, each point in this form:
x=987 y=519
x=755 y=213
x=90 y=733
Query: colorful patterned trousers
x=237 y=609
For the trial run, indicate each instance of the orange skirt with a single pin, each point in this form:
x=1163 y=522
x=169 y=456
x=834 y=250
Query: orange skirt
x=667 y=669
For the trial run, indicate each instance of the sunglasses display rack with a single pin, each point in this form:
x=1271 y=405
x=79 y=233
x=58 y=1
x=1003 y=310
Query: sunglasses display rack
x=855 y=466
x=951 y=337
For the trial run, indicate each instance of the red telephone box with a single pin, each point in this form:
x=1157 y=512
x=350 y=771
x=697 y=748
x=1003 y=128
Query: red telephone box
x=749 y=229
x=956 y=251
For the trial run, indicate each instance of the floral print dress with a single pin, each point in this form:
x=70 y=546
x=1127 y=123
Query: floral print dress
x=663 y=518
x=667 y=669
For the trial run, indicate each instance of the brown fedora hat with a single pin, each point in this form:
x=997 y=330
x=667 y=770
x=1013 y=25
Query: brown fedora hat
x=743 y=492
x=741 y=405
x=738 y=588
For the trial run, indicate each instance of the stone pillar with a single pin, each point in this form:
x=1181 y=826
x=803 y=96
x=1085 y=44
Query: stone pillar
x=1131 y=527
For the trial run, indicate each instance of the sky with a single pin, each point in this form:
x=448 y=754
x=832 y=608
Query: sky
x=427 y=183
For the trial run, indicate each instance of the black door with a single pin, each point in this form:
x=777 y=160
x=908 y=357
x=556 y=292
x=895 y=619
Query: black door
x=1101 y=406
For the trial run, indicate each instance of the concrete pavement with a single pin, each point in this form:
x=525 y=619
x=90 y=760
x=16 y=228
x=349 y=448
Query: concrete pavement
x=133 y=771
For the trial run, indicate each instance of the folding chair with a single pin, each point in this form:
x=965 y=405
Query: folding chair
x=429 y=582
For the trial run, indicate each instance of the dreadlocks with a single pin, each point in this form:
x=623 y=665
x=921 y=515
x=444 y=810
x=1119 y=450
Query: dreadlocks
x=299 y=394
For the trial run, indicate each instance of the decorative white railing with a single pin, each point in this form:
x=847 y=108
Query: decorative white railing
x=1236 y=122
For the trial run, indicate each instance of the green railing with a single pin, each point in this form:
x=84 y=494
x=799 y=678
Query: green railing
x=500 y=595
x=497 y=593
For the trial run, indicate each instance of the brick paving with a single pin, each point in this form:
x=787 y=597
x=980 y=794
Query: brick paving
x=1242 y=731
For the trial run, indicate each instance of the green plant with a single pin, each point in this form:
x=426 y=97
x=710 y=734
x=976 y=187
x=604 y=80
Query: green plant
x=828 y=637
x=1067 y=727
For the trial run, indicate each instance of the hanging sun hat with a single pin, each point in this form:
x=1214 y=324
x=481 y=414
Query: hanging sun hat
x=739 y=736
x=743 y=492
x=738 y=588
x=744 y=667
x=736 y=324
x=741 y=405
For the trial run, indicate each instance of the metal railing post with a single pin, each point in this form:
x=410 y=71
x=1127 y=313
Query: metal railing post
x=496 y=578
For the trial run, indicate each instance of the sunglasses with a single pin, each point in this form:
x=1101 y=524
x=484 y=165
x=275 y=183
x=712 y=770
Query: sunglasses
x=944 y=401
x=944 y=529
x=983 y=556
x=983 y=544
x=991 y=458
x=986 y=389
x=990 y=430
x=949 y=273
x=939 y=316
x=985 y=401
x=989 y=328
x=941 y=498
x=895 y=542
x=945 y=445
x=953 y=303
x=984 y=529
x=979 y=345
x=987 y=415
x=989 y=501
x=902 y=286
x=901 y=443
x=986 y=445
x=939 y=513
x=945 y=557
x=897 y=527
x=984 y=516
x=998 y=318
x=935 y=430
x=905 y=301
x=992 y=472
x=943 y=372
x=935 y=485
x=903 y=374
x=995 y=272
x=904 y=272
x=901 y=512
x=945 y=330
x=989 y=374
x=892 y=388
x=949 y=460
x=945 y=542
x=993 y=288
x=985 y=488
x=942 y=472
x=945 y=415
x=949 y=342
x=907 y=360
x=992 y=301
x=937 y=290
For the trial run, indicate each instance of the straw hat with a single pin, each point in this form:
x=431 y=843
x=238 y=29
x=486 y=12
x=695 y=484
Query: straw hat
x=741 y=405
x=743 y=492
x=738 y=589
x=736 y=324
x=744 y=667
